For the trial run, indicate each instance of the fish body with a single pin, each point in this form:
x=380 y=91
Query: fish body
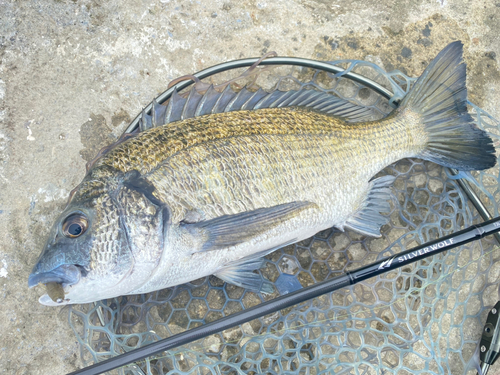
x=212 y=194
x=254 y=160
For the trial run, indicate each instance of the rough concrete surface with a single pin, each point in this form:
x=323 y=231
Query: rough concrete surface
x=73 y=73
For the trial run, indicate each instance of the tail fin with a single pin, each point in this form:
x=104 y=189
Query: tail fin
x=440 y=97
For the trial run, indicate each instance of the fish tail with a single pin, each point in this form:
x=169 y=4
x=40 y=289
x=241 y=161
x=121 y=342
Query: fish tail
x=439 y=100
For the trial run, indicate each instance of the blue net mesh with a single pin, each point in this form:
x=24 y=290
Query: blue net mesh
x=425 y=318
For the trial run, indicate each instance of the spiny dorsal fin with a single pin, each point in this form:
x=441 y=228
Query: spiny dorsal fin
x=213 y=101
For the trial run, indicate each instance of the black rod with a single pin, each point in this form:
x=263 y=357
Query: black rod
x=431 y=248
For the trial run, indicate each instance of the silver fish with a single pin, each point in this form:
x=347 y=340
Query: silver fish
x=230 y=177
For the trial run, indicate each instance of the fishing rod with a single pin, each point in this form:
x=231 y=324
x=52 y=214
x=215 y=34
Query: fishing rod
x=347 y=279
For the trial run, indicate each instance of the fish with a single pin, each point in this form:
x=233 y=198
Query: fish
x=213 y=182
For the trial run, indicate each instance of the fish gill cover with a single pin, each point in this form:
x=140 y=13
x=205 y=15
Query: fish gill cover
x=424 y=318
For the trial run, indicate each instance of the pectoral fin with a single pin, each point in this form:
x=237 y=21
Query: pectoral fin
x=231 y=230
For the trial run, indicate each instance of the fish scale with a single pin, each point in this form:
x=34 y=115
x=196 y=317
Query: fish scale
x=166 y=141
x=310 y=157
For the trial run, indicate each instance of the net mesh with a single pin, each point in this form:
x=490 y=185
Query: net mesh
x=425 y=318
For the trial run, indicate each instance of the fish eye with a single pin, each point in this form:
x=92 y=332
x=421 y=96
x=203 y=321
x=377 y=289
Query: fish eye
x=75 y=225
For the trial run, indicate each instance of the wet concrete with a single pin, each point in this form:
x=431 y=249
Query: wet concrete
x=73 y=74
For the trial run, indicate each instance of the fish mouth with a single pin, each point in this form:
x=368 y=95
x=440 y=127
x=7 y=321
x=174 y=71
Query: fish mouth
x=67 y=274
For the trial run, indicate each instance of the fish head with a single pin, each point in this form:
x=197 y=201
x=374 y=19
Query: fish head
x=101 y=246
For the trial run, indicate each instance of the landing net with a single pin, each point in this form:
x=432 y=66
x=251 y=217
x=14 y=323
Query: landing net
x=426 y=318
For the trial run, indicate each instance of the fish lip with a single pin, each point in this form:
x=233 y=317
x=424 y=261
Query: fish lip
x=47 y=301
x=67 y=274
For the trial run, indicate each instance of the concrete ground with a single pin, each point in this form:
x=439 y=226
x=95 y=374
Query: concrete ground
x=73 y=73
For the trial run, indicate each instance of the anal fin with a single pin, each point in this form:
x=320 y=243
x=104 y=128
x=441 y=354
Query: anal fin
x=368 y=218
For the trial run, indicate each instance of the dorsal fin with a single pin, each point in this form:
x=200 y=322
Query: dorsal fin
x=213 y=101
x=174 y=108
